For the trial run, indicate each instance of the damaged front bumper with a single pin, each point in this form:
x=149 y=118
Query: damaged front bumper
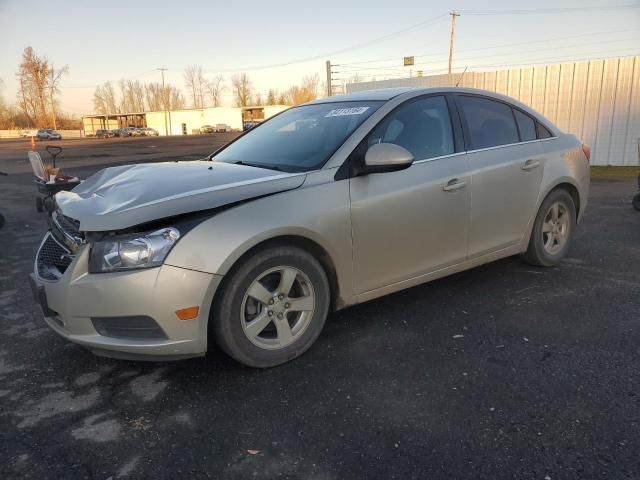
x=122 y=314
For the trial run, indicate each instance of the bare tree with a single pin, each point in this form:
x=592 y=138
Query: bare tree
x=195 y=81
x=33 y=79
x=306 y=92
x=241 y=89
x=53 y=81
x=176 y=99
x=6 y=114
x=104 y=99
x=155 y=96
x=272 y=97
x=215 y=88
x=258 y=100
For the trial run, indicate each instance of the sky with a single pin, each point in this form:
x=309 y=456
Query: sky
x=101 y=41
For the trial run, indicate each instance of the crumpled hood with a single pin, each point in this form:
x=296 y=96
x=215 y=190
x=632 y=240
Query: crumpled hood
x=120 y=197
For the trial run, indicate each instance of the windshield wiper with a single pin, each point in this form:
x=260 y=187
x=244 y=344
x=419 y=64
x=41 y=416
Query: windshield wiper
x=259 y=165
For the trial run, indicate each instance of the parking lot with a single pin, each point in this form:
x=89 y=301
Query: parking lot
x=504 y=371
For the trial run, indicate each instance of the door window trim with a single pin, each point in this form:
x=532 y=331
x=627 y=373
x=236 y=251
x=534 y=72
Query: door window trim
x=465 y=127
x=345 y=171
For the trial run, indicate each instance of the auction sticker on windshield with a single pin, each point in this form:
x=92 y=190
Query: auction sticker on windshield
x=339 y=112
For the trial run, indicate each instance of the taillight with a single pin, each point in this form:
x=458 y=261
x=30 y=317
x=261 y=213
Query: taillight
x=587 y=151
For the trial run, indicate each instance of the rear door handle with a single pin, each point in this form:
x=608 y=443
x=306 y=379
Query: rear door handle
x=454 y=184
x=530 y=164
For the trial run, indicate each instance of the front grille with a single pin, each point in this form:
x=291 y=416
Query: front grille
x=66 y=230
x=52 y=259
x=68 y=225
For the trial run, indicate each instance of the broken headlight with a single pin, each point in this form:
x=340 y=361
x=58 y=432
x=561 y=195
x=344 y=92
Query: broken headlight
x=129 y=252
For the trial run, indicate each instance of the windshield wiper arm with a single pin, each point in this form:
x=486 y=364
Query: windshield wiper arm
x=259 y=165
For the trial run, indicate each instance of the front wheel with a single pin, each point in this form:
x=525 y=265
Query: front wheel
x=552 y=230
x=272 y=307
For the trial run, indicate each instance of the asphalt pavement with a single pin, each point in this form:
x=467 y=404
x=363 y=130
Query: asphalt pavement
x=503 y=371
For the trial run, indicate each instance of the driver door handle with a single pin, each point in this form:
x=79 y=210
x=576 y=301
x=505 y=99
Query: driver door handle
x=454 y=184
x=530 y=164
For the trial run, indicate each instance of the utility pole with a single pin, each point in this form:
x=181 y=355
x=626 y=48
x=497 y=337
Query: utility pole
x=329 y=84
x=453 y=14
x=53 y=104
x=164 y=102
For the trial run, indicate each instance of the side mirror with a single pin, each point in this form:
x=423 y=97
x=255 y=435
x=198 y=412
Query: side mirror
x=387 y=157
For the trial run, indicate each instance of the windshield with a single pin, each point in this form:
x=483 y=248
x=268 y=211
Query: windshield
x=299 y=139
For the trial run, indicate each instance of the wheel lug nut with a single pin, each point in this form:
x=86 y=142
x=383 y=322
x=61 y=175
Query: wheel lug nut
x=280 y=316
x=280 y=297
x=286 y=305
x=271 y=302
x=270 y=313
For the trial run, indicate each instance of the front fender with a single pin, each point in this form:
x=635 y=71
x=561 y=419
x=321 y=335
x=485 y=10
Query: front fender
x=317 y=211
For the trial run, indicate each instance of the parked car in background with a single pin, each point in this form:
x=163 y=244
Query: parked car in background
x=138 y=132
x=127 y=131
x=222 y=128
x=101 y=133
x=48 y=134
x=207 y=129
x=250 y=124
x=150 y=132
x=389 y=189
x=29 y=133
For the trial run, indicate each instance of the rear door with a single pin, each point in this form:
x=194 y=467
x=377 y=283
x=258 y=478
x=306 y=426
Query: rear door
x=506 y=170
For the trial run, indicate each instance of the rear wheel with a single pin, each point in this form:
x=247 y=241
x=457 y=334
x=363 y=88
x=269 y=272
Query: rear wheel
x=272 y=307
x=552 y=230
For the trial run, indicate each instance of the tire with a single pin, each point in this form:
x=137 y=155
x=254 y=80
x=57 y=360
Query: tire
x=636 y=202
x=550 y=239
x=287 y=332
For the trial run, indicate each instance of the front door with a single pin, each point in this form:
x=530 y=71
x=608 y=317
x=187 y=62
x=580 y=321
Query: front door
x=411 y=222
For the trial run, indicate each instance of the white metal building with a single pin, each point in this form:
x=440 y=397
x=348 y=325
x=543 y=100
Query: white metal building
x=181 y=122
x=598 y=100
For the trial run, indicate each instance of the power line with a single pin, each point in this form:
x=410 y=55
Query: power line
x=400 y=69
x=594 y=56
x=511 y=44
x=542 y=11
x=412 y=28
x=98 y=85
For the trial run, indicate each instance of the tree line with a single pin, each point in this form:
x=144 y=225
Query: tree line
x=37 y=104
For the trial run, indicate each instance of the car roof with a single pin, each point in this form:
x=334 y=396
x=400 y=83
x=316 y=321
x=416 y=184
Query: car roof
x=383 y=94
x=386 y=94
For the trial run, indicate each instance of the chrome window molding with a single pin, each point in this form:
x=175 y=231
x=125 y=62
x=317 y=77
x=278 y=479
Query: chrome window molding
x=511 y=144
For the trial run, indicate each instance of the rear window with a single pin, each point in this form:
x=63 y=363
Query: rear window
x=490 y=123
x=543 y=132
x=526 y=125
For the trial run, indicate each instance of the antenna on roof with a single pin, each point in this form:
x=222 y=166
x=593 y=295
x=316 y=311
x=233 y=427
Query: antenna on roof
x=461 y=76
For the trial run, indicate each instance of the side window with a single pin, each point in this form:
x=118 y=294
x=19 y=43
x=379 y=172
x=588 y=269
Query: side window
x=422 y=126
x=526 y=125
x=490 y=123
x=543 y=132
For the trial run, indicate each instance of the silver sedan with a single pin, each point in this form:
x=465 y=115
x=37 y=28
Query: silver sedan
x=326 y=205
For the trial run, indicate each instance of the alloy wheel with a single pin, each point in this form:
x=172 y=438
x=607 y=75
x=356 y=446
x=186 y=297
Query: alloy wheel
x=555 y=228
x=277 y=307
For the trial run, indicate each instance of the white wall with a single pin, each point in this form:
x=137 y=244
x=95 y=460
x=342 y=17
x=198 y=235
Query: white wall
x=194 y=119
x=599 y=101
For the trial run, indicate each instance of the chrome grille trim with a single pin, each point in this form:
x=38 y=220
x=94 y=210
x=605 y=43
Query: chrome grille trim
x=66 y=231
